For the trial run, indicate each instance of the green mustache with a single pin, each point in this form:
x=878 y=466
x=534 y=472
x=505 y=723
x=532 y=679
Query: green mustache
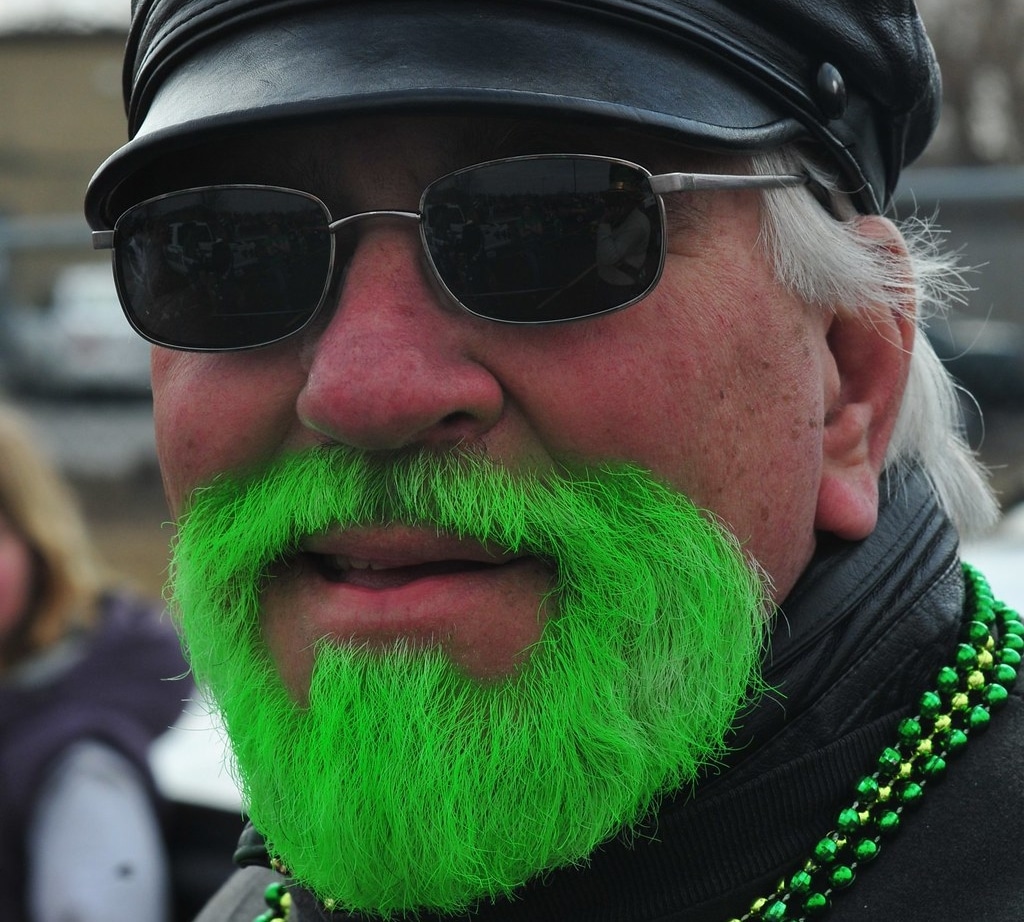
x=237 y=527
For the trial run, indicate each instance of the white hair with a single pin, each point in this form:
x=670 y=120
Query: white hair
x=817 y=252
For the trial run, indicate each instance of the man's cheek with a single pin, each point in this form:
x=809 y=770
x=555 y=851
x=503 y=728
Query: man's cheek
x=213 y=414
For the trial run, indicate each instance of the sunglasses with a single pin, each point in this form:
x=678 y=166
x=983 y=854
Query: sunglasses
x=525 y=240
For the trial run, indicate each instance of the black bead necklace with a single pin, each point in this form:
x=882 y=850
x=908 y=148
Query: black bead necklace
x=961 y=706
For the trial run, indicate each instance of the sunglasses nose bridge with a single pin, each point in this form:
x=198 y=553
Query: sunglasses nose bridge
x=340 y=223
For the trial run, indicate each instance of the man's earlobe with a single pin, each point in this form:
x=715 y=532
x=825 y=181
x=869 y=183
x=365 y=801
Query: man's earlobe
x=871 y=348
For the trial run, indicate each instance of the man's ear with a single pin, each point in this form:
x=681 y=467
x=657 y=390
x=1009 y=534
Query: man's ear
x=870 y=347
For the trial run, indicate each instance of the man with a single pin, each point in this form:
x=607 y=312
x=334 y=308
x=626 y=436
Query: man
x=623 y=240
x=521 y=606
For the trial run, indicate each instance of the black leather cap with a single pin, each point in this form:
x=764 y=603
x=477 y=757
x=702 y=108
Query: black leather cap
x=858 y=77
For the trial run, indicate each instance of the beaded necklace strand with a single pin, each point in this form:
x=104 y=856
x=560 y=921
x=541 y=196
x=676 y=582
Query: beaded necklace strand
x=961 y=705
x=966 y=694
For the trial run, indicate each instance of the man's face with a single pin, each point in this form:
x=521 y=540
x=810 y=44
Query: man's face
x=716 y=383
x=618 y=205
x=420 y=637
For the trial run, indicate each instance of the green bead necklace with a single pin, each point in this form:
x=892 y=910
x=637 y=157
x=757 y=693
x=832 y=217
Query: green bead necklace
x=961 y=706
x=279 y=901
x=966 y=694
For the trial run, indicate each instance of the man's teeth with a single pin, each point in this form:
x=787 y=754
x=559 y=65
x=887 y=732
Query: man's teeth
x=354 y=563
x=340 y=562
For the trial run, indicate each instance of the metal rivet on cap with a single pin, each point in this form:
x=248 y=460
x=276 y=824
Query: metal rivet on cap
x=830 y=89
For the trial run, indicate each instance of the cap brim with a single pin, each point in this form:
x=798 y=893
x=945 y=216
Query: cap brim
x=437 y=57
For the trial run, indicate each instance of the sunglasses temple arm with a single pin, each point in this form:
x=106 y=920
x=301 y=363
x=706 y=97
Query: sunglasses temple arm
x=103 y=240
x=710 y=182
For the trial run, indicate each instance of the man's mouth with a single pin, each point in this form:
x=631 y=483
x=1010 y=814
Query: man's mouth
x=377 y=574
x=373 y=586
x=388 y=558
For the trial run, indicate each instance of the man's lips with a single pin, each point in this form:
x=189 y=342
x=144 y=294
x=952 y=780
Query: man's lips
x=376 y=575
x=375 y=586
x=386 y=558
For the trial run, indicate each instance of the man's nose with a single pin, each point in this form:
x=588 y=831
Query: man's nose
x=394 y=365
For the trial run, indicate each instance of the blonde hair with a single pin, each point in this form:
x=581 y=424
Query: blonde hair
x=41 y=509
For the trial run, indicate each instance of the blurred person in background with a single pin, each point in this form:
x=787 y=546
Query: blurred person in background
x=83 y=692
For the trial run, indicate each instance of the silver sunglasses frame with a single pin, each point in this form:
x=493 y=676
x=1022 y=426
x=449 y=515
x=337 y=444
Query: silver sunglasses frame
x=660 y=184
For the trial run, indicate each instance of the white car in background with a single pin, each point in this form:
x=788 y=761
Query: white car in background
x=202 y=806
x=81 y=343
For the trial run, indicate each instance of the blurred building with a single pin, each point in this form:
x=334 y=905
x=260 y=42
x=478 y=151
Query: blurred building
x=60 y=115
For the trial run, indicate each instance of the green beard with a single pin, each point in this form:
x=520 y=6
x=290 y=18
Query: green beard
x=403 y=784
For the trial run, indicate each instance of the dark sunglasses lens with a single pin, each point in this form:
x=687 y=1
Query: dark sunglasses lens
x=544 y=239
x=225 y=268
